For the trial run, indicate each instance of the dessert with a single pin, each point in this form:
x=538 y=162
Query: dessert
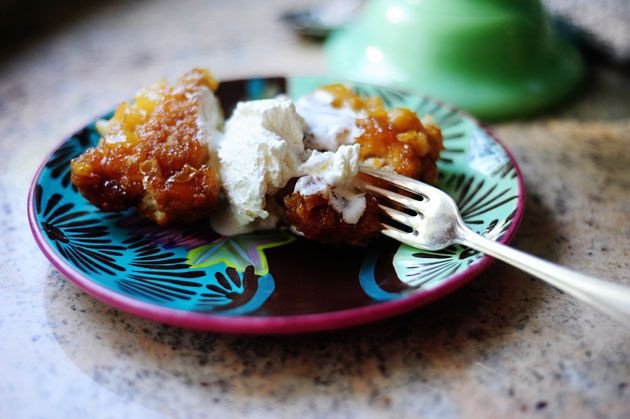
x=276 y=164
x=328 y=203
x=393 y=140
x=154 y=153
x=261 y=151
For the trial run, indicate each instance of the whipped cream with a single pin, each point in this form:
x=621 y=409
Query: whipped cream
x=260 y=151
x=333 y=175
x=328 y=127
x=334 y=168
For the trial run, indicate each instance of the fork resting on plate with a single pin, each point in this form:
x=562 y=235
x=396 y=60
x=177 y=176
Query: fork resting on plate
x=430 y=220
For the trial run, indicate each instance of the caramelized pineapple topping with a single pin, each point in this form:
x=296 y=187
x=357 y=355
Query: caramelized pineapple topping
x=393 y=140
x=154 y=154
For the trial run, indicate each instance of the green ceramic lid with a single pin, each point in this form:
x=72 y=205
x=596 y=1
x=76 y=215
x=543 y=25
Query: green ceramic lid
x=493 y=58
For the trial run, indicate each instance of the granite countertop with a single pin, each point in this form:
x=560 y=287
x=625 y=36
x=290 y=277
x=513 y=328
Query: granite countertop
x=506 y=344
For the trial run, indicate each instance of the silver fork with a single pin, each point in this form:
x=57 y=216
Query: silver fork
x=438 y=224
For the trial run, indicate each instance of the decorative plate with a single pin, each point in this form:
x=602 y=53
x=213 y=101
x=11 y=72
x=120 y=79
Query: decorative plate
x=272 y=282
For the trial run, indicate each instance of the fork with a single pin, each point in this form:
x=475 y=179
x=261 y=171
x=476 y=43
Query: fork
x=435 y=223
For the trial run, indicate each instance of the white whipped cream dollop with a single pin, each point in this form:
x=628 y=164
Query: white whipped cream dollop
x=260 y=151
x=328 y=127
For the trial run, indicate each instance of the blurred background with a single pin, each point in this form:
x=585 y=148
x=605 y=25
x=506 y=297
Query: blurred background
x=497 y=59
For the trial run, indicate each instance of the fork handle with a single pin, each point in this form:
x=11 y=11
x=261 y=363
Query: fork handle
x=613 y=299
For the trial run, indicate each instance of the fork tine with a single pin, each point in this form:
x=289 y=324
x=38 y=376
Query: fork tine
x=403 y=182
x=396 y=215
x=396 y=234
x=403 y=200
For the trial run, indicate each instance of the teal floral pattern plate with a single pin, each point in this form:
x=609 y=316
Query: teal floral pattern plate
x=272 y=282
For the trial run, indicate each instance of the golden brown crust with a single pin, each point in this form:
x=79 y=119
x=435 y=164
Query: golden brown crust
x=154 y=156
x=317 y=220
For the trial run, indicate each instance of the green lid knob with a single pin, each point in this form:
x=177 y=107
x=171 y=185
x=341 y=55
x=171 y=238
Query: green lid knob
x=493 y=58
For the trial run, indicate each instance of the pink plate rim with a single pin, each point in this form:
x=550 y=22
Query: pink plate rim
x=276 y=325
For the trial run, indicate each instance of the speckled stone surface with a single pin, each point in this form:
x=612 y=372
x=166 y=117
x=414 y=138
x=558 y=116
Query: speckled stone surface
x=505 y=345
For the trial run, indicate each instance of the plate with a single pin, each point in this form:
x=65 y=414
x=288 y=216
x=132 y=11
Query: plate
x=272 y=282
